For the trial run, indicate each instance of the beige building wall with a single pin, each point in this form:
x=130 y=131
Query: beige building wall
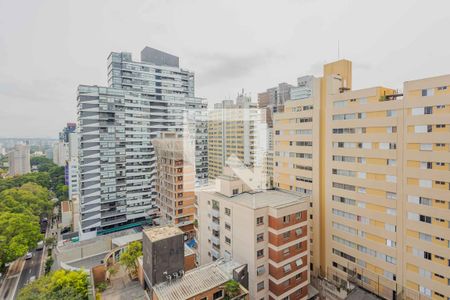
x=238 y=135
x=426 y=184
x=297 y=160
x=383 y=190
x=363 y=182
x=19 y=160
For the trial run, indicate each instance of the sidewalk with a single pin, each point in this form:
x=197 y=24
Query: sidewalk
x=9 y=286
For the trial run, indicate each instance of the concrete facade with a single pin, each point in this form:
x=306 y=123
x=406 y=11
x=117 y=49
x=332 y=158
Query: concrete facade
x=378 y=172
x=19 y=160
x=268 y=230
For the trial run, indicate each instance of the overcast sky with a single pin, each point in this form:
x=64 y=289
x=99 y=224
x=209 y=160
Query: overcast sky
x=49 y=47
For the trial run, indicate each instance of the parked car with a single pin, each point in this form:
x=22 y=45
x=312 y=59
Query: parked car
x=32 y=278
x=28 y=255
x=40 y=245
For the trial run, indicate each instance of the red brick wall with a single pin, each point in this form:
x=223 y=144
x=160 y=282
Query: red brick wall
x=189 y=262
x=278 y=273
x=278 y=256
x=277 y=223
x=289 y=284
x=279 y=240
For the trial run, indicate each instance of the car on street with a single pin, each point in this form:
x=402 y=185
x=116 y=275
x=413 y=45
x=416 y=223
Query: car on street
x=40 y=245
x=28 y=255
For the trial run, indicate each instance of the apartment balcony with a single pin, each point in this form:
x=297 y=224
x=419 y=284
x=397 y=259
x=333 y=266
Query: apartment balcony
x=215 y=254
x=108 y=214
x=214 y=226
x=115 y=221
x=215 y=240
x=215 y=213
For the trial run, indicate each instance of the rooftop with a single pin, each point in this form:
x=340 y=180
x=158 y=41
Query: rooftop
x=162 y=232
x=126 y=239
x=196 y=281
x=360 y=294
x=264 y=198
x=65 y=206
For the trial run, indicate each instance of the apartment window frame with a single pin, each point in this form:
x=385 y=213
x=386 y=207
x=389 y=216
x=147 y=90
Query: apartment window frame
x=260 y=237
x=260 y=221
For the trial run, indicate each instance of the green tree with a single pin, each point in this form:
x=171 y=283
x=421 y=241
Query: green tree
x=40 y=178
x=30 y=198
x=50 y=241
x=102 y=286
x=131 y=254
x=56 y=175
x=18 y=234
x=48 y=264
x=43 y=164
x=232 y=289
x=61 y=284
x=62 y=192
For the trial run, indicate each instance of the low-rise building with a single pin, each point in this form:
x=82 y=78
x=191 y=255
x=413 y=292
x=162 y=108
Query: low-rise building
x=66 y=213
x=165 y=269
x=206 y=282
x=265 y=229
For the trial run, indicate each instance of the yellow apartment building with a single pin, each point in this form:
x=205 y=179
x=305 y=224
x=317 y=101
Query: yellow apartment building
x=376 y=162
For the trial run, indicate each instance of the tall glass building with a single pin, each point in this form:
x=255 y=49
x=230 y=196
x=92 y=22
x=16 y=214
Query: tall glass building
x=117 y=124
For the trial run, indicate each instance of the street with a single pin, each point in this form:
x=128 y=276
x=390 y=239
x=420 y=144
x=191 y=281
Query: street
x=19 y=274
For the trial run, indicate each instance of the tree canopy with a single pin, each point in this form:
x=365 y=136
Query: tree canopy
x=30 y=198
x=41 y=178
x=20 y=211
x=131 y=254
x=61 y=284
x=18 y=234
x=23 y=201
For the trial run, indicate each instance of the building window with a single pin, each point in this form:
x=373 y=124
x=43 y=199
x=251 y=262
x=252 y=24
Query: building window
x=298 y=215
x=298 y=231
x=425 y=291
x=259 y=221
x=426 y=219
x=235 y=191
x=227 y=226
x=391 y=113
x=287 y=268
x=260 y=286
x=260 y=270
x=286 y=219
x=218 y=295
x=286 y=251
x=260 y=253
x=427 y=92
x=228 y=240
x=227 y=211
x=259 y=237
x=286 y=234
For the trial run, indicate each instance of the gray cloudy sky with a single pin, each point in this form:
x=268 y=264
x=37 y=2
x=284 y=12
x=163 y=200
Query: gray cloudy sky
x=48 y=47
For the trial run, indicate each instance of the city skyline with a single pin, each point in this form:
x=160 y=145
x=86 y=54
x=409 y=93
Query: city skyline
x=254 y=55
